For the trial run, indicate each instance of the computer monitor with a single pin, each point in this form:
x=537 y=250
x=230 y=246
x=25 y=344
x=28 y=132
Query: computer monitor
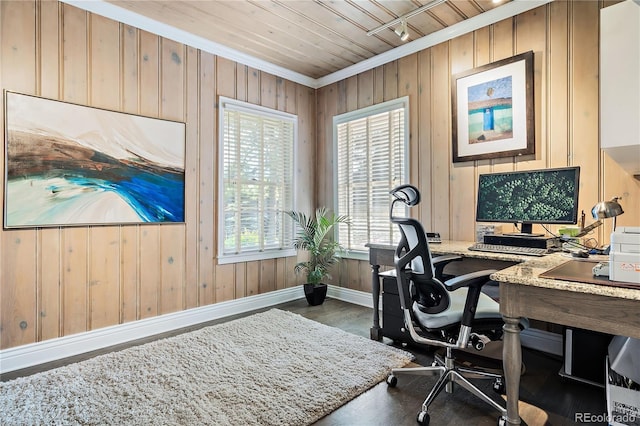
x=548 y=196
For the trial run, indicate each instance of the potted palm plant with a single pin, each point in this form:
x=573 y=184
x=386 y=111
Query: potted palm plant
x=315 y=235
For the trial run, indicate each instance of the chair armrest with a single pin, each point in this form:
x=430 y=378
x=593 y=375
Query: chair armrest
x=440 y=262
x=473 y=279
x=445 y=258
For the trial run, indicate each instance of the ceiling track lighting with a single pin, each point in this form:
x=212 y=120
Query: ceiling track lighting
x=402 y=32
x=403 y=20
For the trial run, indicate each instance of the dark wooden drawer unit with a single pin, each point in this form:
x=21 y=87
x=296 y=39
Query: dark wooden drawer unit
x=392 y=318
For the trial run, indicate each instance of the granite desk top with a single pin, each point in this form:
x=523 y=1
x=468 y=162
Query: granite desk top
x=528 y=269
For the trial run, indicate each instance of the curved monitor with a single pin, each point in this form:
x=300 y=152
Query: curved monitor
x=532 y=196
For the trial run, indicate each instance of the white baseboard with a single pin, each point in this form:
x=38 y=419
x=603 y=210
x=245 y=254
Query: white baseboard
x=356 y=297
x=541 y=340
x=55 y=349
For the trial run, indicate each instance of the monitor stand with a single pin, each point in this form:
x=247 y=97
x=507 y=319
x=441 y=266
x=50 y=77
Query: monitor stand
x=526 y=230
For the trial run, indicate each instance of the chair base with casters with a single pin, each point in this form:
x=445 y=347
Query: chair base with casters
x=456 y=338
x=449 y=374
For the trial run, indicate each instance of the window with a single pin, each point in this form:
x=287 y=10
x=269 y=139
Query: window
x=256 y=182
x=370 y=148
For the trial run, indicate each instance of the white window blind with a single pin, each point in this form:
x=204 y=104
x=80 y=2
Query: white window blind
x=256 y=181
x=370 y=157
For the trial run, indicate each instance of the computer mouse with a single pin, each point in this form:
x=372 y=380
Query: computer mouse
x=579 y=253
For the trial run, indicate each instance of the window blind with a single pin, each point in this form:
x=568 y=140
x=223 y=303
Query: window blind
x=257 y=163
x=370 y=152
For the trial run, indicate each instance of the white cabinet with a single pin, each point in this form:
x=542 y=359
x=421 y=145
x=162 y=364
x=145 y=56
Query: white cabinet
x=620 y=83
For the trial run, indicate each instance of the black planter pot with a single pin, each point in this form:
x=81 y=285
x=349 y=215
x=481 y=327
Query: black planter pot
x=315 y=294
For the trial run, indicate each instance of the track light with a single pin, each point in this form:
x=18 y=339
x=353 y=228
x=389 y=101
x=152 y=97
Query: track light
x=402 y=31
x=404 y=18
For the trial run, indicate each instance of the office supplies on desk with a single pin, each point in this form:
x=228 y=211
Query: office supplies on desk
x=483 y=229
x=434 y=238
x=569 y=244
x=580 y=253
x=569 y=231
x=585 y=231
x=601 y=269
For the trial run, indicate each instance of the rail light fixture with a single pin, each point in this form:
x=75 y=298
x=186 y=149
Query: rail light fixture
x=402 y=32
x=402 y=20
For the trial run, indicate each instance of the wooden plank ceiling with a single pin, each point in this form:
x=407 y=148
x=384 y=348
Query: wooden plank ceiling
x=311 y=37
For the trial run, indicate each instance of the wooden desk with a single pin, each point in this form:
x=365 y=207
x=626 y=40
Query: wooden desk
x=613 y=310
x=523 y=293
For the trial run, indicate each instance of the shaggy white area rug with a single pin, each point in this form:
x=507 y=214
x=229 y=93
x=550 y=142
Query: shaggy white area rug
x=270 y=368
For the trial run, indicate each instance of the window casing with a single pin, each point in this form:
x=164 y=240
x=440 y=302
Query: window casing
x=256 y=166
x=370 y=154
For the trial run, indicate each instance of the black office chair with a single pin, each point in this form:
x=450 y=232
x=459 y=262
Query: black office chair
x=453 y=314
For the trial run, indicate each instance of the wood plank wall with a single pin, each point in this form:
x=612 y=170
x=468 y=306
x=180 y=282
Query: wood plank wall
x=61 y=281
x=565 y=39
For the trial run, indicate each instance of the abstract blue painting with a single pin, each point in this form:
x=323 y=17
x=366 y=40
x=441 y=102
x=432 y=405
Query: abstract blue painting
x=72 y=165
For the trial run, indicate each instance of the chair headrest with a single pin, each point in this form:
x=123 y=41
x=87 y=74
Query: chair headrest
x=406 y=193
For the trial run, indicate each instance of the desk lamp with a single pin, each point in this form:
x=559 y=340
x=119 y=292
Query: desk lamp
x=607 y=209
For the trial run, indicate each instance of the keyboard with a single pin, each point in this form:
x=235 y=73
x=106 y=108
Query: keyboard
x=496 y=248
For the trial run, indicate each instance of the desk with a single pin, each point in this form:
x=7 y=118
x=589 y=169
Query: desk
x=613 y=310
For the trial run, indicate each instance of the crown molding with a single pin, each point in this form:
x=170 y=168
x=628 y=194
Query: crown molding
x=120 y=14
x=117 y=13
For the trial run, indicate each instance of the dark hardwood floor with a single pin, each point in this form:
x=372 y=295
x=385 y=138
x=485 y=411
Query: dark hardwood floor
x=545 y=397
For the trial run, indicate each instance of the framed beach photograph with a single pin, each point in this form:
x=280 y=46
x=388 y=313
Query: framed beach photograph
x=73 y=165
x=492 y=109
